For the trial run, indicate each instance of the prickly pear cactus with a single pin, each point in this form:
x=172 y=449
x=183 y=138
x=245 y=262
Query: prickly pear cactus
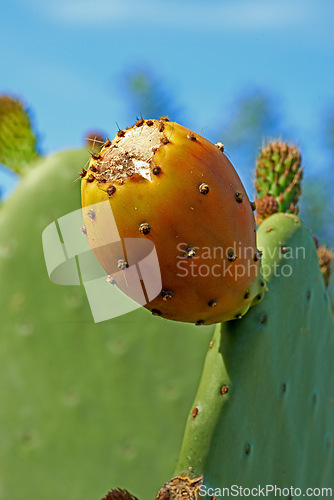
x=83 y=406
x=172 y=187
x=278 y=179
x=264 y=411
x=18 y=141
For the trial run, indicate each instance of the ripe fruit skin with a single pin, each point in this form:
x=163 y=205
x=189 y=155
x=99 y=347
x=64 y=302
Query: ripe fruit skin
x=176 y=189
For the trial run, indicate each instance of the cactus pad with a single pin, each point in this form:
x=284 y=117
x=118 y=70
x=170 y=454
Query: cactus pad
x=264 y=411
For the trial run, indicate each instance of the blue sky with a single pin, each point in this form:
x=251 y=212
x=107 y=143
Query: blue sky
x=66 y=59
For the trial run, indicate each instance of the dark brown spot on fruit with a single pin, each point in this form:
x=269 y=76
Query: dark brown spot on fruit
x=83 y=229
x=164 y=140
x=149 y=123
x=90 y=178
x=247 y=295
x=111 y=190
x=269 y=229
x=283 y=249
x=283 y=387
x=308 y=294
x=231 y=256
x=212 y=303
x=140 y=122
x=224 y=389
x=247 y=449
x=91 y=214
x=122 y=264
x=156 y=170
x=262 y=283
x=107 y=143
x=96 y=156
x=164 y=118
x=156 y=312
x=83 y=172
x=144 y=228
x=220 y=146
x=93 y=168
x=194 y=413
x=203 y=188
x=161 y=127
x=200 y=322
x=211 y=344
x=238 y=316
x=191 y=136
x=121 y=133
x=253 y=205
x=257 y=256
x=239 y=197
x=190 y=252
x=167 y=294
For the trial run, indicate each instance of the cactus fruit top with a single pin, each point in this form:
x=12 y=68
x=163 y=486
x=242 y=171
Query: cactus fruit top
x=18 y=142
x=119 y=494
x=278 y=179
x=174 y=188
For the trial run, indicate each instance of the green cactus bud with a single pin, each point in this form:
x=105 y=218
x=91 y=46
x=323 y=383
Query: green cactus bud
x=119 y=494
x=278 y=175
x=18 y=142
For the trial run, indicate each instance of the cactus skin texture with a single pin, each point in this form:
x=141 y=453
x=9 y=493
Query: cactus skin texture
x=264 y=411
x=18 y=142
x=173 y=187
x=278 y=179
x=84 y=407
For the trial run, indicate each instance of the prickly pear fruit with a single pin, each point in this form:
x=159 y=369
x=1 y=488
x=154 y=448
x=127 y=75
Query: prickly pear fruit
x=278 y=179
x=18 y=142
x=174 y=188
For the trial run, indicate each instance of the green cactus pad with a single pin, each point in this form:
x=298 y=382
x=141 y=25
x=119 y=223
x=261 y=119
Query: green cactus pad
x=278 y=179
x=264 y=411
x=18 y=141
x=84 y=407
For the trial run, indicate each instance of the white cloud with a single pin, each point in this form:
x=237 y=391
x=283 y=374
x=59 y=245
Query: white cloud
x=217 y=15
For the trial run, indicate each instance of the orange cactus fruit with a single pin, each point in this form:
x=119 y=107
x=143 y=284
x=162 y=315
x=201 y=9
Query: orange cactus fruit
x=172 y=187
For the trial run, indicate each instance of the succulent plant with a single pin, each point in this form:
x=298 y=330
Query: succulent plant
x=172 y=187
x=112 y=392
x=18 y=141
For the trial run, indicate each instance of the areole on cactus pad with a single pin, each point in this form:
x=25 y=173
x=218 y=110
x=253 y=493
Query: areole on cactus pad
x=172 y=187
